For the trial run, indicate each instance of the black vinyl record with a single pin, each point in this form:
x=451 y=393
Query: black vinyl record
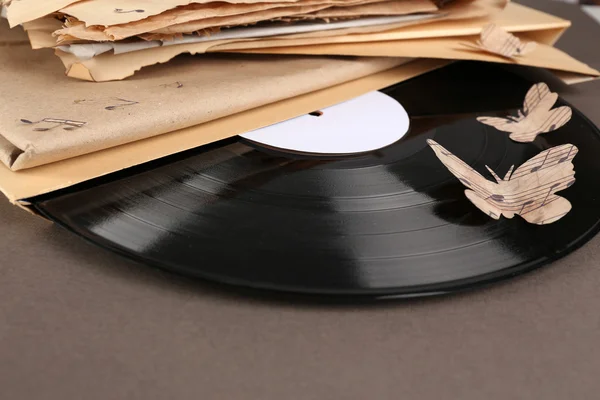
x=393 y=222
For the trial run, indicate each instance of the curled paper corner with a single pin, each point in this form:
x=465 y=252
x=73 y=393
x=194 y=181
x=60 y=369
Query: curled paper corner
x=496 y=40
x=79 y=71
x=536 y=117
x=529 y=191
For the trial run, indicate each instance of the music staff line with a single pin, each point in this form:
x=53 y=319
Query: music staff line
x=475 y=186
x=548 y=161
x=508 y=199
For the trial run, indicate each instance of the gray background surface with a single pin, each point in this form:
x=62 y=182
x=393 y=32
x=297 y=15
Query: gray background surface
x=77 y=322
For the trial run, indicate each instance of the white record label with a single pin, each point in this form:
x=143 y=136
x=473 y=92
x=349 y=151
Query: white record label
x=366 y=123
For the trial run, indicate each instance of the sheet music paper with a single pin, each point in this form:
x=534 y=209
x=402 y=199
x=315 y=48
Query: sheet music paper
x=101 y=12
x=528 y=191
x=536 y=117
x=85 y=51
x=496 y=40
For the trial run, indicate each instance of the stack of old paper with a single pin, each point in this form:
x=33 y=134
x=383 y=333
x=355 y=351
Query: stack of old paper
x=104 y=40
x=56 y=131
x=87 y=34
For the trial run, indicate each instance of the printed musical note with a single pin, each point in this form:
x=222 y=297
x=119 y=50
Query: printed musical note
x=497 y=41
x=538 y=167
x=443 y=3
x=529 y=191
x=565 y=158
x=121 y=11
x=537 y=116
x=83 y=101
x=125 y=103
x=528 y=202
x=176 y=85
x=68 y=125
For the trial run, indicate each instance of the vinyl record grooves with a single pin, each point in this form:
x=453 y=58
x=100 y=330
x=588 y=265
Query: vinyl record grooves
x=393 y=222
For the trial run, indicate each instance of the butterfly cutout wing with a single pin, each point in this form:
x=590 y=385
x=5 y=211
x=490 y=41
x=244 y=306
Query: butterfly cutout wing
x=539 y=115
x=500 y=123
x=481 y=192
x=534 y=184
x=539 y=97
x=483 y=204
x=496 y=40
x=527 y=48
x=549 y=213
x=539 y=122
x=536 y=118
x=529 y=191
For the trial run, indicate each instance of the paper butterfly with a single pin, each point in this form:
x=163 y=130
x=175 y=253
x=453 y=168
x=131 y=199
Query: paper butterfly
x=537 y=116
x=497 y=41
x=529 y=191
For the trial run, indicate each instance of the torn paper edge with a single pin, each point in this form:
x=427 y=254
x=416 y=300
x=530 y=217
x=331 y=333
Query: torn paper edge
x=87 y=51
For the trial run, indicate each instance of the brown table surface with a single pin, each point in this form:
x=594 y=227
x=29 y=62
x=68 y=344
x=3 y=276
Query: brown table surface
x=77 y=322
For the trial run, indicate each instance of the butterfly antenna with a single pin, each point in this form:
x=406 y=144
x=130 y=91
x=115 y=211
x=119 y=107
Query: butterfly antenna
x=509 y=173
x=518 y=118
x=496 y=177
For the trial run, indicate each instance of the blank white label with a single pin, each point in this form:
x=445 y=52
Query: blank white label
x=363 y=124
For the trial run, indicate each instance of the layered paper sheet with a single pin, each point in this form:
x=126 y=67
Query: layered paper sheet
x=37 y=101
x=197 y=17
x=189 y=27
x=442 y=39
x=544 y=31
x=545 y=56
x=86 y=51
x=22 y=184
x=514 y=18
x=102 y=12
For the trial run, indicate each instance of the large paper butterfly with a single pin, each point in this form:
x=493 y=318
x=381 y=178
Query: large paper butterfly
x=529 y=191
